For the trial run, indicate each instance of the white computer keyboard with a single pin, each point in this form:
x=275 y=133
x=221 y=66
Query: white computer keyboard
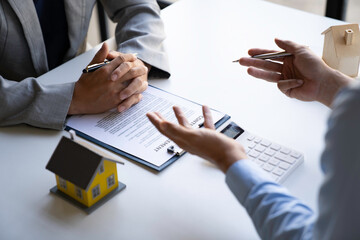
x=277 y=160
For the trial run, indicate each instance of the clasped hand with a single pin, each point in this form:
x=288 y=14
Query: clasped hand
x=119 y=84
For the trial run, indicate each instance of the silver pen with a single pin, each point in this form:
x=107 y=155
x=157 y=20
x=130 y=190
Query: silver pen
x=93 y=67
x=270 y=55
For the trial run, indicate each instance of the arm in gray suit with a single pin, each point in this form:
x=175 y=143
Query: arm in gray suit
x=140 y=29
x=32 y=103
x=23 y=99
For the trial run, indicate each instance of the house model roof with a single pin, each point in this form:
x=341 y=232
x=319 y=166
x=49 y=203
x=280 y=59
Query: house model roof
x=74 y=162
x=338 y=33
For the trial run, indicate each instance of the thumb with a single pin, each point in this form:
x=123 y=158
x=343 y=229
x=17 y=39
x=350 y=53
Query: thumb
x=175 y=132
x=208 y=122
x=290 y=87
x=101 y=54
x=285 y=85
x=288 y=46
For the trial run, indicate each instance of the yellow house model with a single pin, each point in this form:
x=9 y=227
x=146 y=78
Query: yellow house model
x=84 y=175
x=342 y=48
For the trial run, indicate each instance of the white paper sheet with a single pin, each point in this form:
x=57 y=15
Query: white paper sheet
x=132 y=132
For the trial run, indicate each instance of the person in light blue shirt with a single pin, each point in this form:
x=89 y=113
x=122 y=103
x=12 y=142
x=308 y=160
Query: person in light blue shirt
x=275 y=213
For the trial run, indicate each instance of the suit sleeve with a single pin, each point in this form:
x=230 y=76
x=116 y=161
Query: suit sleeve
x=140 y=30
x=32 y=103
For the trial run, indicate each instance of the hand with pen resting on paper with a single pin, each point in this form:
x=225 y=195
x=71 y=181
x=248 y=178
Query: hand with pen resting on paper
x=204 y=142
x=303 y=75
x=118 y=84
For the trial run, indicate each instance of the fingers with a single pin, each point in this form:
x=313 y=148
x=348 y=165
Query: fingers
x=259 y=63
x=265 y=75
x=171 y=130
x=208 y=120
x=286 y=86
x=129 y=70
x=257 y=51
x=180 y=116
x=114 y=54
x=154 y=119
x=123 y=58
x=121 y=70
x=126 y=104
x=287 y=45
x=101 y=54
x=137 y=85
x=134 y=72
x=160 y=116
x=123 y=62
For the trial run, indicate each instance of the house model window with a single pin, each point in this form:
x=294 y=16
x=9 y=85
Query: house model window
x=62 y=183
x=96 y=191
x=110 y=181
x=101 y=169
x=78 y=192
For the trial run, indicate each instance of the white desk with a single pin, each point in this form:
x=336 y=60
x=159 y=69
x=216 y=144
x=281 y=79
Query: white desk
x=189 y=199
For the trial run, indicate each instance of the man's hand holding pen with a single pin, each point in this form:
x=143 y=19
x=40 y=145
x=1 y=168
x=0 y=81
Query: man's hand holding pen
x=300 y=74
x=116 y=84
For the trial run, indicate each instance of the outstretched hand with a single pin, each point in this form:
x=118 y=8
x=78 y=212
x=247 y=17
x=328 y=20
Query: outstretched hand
x=303 y=76
x=204 y=142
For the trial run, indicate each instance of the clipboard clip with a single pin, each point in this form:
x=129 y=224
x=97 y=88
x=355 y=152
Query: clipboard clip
x=171 y=150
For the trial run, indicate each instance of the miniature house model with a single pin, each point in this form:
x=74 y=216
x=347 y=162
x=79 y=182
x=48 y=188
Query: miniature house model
x=84 y=175
x=342 y=48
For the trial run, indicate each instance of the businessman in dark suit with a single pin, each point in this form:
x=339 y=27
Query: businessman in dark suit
x=36 y=36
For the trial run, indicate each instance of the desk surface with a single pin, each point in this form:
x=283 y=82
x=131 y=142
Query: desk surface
x=189 y=199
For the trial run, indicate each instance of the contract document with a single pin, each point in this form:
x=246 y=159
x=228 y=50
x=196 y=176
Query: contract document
x=131 y=134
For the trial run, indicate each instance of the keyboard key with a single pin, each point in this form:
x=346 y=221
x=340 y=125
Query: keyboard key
x=268 y=167
x=295 y=154
x=284 y=165
x=269 y=152
x=258 y=162
x=251 y=145
x=278 y=172
x=289 y=159
x=280 y=156
x=265 y=143
x=264 y=158
x=260 y=148
x=257 y=139
x=285 y=150
x=275 y=146
x=254 y=154
x=274 y=161
x=275 y=177
x=250 y=137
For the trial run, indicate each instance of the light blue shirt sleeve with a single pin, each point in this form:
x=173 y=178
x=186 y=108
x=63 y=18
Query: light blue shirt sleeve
x=274 y=212
x=278 y=215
